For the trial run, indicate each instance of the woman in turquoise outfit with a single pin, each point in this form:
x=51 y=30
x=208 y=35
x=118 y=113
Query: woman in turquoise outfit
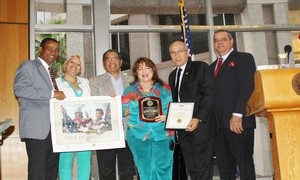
x=74 y=86
x=148 y=141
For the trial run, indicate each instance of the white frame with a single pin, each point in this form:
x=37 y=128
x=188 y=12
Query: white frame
x=87 y=139
x=179 y=115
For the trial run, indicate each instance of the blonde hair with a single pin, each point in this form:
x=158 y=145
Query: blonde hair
x=64 y=66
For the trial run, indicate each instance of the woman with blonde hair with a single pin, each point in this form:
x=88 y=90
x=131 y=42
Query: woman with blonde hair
x=74 y=86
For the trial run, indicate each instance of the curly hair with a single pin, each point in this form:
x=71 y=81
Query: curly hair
x=149 y=63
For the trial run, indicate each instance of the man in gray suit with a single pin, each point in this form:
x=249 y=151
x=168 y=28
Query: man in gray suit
x=33 y=89
x=112 y=83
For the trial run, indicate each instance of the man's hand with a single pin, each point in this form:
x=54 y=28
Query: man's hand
x=236 y=124
x=113 y=94
x=59 y=95
x=192 y=125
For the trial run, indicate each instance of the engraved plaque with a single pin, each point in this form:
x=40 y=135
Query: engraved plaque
x=149 y=108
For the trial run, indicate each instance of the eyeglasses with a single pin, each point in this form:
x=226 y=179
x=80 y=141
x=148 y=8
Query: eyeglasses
x=180 y=51
x=111 y=59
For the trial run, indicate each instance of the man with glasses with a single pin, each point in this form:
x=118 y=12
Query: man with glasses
x=112 y=83
x=191 y=81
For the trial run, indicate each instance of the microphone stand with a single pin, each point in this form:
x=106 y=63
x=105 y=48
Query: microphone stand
x=288 y=50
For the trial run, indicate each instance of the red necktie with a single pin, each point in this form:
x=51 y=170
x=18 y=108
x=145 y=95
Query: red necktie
x=220 y=61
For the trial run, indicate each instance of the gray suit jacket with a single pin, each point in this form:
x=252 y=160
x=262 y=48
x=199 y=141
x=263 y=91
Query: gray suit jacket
x=102 y=86
x=33 y=87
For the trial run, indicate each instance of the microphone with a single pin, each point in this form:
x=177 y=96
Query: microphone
x=287 y=50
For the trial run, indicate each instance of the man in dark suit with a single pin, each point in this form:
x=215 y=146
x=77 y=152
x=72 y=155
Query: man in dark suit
x=233 y=85
x=195 y=85
x=34 y=89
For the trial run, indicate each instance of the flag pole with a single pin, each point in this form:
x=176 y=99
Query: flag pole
x=185 y=28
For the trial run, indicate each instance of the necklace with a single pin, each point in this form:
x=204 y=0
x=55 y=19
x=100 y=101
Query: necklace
x=78 y=92
x=141 y=90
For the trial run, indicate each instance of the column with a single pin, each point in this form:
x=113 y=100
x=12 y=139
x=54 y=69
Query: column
x=144 y=44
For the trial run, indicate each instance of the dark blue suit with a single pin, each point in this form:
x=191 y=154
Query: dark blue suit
x=233 y=86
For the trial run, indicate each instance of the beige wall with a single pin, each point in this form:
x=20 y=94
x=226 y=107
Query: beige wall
x=13 y=50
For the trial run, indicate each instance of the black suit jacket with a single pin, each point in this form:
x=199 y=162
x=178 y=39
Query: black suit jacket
x=197 y=86
x=233 y=86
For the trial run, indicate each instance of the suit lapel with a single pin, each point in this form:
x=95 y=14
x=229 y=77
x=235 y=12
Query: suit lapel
x=229 y=59
x=107 y=82
x=44 y=72
x=185 y=73
x=172 y=79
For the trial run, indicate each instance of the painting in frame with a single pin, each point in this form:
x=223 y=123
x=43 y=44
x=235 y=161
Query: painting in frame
x=86 y=123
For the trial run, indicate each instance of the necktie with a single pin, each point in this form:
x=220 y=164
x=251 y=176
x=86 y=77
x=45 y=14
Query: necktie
x=52 y=76
x=220 y=61
x=177 y=84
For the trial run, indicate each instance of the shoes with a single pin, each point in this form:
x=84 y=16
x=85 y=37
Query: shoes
x=4 y=125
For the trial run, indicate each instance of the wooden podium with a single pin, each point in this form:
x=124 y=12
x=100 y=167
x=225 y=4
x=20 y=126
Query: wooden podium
x=275 y=98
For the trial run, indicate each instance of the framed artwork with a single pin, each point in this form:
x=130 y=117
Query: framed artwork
x=86 y=123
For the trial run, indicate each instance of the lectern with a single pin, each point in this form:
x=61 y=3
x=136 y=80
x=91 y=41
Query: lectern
x=277 y=98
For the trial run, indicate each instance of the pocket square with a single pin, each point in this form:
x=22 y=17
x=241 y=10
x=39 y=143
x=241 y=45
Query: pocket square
x=231 y=64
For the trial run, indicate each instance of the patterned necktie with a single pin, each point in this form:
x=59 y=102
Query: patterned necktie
x=220 y=61
x=52 y=76
x=177 y=84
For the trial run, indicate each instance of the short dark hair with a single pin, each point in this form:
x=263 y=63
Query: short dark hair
x=109 y=51
x=100 y=110
x=223 y=30
x=42 y=44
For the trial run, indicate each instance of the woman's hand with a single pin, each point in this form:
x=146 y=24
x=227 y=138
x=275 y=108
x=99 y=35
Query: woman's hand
x=126 y=112
x=160 y=118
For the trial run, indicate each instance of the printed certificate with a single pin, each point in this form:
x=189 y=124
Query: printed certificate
x=179 y=115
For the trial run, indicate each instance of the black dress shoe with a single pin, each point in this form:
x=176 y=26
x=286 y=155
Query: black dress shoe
x=5 y=124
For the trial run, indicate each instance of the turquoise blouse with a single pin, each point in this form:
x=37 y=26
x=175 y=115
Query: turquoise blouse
x=140 y=129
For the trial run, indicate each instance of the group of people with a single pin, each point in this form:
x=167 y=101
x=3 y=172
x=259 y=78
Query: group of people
x=85 y=124
x=219 y=125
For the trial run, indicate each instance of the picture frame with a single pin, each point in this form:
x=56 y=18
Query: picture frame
x=179 y=115
x=77 y=126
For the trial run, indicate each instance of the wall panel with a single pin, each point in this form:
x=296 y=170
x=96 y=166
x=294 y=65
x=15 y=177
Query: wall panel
x=14 y=11
x=14 y=47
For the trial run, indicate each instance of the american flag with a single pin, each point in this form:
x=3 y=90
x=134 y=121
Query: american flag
x=185 y=28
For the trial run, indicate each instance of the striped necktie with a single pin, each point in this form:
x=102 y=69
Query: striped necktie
x=52 y=76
